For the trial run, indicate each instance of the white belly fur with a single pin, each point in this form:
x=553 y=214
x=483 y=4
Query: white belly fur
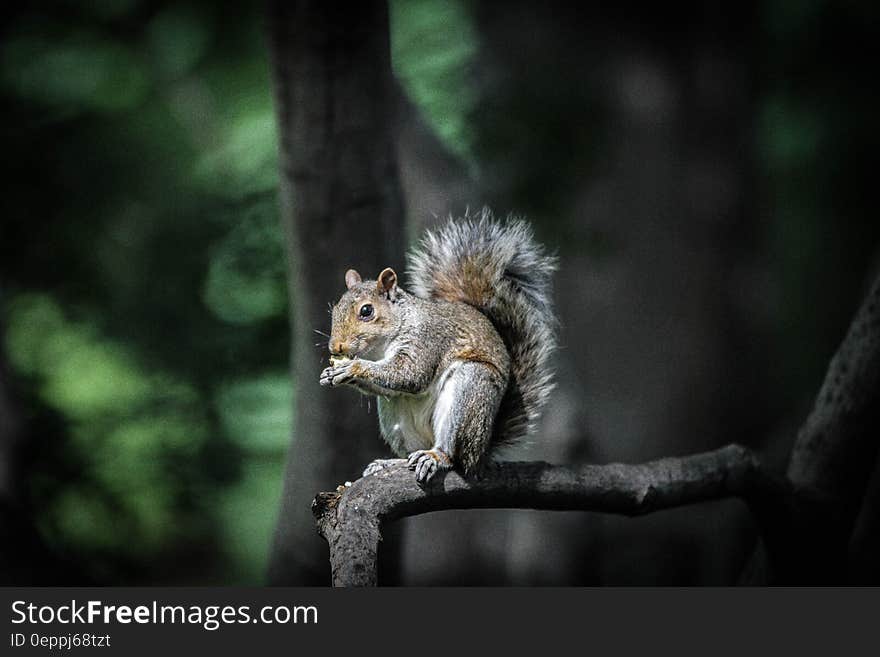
x=407 y=421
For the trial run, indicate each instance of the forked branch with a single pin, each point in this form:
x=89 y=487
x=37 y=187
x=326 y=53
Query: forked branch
x=805 y=517
x=351 y=519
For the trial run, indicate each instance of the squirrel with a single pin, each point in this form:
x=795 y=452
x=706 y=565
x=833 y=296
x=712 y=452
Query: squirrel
x=459 y=364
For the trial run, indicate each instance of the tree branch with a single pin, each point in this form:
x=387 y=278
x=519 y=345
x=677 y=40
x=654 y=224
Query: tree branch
x=831 y=464
x=351 y=518
x=837 y=446
x=806 y=517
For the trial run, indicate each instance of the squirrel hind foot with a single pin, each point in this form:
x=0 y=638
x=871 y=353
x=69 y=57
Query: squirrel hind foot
x=428 y=462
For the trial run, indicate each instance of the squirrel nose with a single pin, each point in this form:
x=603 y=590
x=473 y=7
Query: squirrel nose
x=338 y=347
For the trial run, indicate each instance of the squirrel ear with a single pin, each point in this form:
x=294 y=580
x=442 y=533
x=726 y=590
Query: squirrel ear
x=352 y=278
x=387 y=282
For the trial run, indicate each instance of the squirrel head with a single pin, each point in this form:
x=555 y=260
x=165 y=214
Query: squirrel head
x=364 y=318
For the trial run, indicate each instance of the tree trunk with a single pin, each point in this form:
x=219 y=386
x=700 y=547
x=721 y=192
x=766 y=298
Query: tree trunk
x=341 y=208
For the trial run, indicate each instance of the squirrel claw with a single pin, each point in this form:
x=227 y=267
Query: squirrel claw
x=428 y=463
x=336 y=375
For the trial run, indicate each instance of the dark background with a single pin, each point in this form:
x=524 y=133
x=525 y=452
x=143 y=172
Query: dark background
x=705 y=172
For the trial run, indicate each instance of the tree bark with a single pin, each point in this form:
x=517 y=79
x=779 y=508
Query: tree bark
x=351 y=519
x=806 y=516
x=831 y=463
x=340 y=199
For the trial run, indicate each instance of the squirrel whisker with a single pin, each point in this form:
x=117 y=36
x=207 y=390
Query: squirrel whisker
x=477 y=316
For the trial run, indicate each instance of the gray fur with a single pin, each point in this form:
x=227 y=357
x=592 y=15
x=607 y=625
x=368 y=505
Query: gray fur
x=460 y=365
x=465 y=413
x=518 y=271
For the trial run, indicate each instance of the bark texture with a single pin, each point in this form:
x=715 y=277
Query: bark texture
x=831 y=464
x=350 y=519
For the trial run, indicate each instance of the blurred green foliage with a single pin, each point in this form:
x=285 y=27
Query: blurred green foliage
x=132 y=430
x=145 y=283
x=74 y=71
x=245 y=279
x=433 y=46
x=145 y=302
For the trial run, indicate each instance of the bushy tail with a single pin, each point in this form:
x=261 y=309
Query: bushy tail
x=498 y=268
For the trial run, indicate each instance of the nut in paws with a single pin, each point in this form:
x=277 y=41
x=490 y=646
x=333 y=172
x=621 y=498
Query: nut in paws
x=338 y=374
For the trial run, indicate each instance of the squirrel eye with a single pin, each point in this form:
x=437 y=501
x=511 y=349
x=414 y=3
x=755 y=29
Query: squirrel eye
x=366 y=311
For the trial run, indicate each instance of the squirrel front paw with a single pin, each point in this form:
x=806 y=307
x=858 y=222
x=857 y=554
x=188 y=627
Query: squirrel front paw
x=339 y=374
x=428 y=462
